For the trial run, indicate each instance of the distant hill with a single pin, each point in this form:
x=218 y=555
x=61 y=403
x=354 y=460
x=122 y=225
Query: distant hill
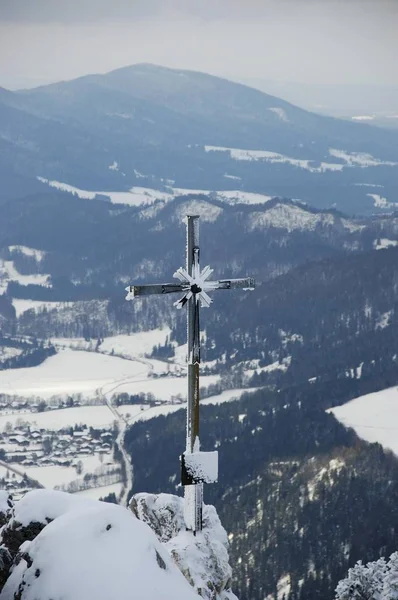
x=153 y=126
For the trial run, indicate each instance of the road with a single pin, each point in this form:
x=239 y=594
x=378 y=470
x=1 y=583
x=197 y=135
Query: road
x=20 y=473
x=106 y=393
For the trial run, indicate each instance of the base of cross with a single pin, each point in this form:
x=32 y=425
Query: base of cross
x=197 y=468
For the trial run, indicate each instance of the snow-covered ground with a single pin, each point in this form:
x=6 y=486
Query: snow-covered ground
x=92 y=373
x=163 y=388
x=359 y=159
x=22 y=306
x=91 y=550
x=70 y=372
x=288 y=217
x=9 y=273
x=275 y=157
x=54 y=420
x=281 y=113
x=373 y=416
x=141 y=196
x=151 y=412
x=381 y=202
x=363 y=118
x=101 y=492
x=37 y=254
x=136 y=196
x=351 y=159
x=55 y=475
x=384 y=243
x=135 y=344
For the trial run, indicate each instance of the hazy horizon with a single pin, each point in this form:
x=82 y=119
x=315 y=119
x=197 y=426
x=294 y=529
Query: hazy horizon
x=303 y=41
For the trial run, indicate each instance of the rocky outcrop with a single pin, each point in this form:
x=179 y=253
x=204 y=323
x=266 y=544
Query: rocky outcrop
x=84 y=549
x=203 y=559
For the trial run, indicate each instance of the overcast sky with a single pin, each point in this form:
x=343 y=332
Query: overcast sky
x=312 y=41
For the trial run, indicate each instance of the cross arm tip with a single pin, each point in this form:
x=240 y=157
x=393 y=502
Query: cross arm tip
x=130 y=292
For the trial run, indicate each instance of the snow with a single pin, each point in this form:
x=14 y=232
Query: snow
x=372 y=185
x=384 y=243
x=9 y=352
x=69 y=372
x=54 y=420
x=364 y=118
x=275 y=157
x=207 y=212
x=163 y=388
x=135 y=344
x=288 y=217
x=373 y=416
x=238 y=197
x=384 y=320
x=37 y=254
x=232 y=177
x=202 y=466
x=380 y=201
x=136 y=196
x=40 y=505
x=93 y=550
x=360 y=159
x=102 y=491
x=22 y=306
x=151 y=412
x=351 y=159
x=142 y=196
x=203 y=558
x=281 y=113
x=275 y=366
x=11 y=274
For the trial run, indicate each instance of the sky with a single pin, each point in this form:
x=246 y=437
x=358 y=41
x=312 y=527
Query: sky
x=309 y=41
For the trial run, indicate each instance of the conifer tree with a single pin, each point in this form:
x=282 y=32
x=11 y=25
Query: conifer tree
x=390 y=587
x=364 y=582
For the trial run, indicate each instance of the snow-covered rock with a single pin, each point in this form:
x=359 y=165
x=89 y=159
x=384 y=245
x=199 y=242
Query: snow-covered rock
x=6 y=505
x=88 y=549
x=203 y=559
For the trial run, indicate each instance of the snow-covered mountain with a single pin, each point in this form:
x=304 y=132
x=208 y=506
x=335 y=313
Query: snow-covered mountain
x=153 y=127
x=56 y=545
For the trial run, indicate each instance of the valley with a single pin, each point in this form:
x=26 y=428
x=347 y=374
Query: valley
x=298 y=378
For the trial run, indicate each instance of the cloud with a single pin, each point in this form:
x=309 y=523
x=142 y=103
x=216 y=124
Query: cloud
x=313 y=41
x=86 y=11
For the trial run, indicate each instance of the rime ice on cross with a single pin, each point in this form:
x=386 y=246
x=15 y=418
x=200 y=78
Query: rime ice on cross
x=196 y=467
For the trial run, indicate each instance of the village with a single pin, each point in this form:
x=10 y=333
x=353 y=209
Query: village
x=74 y=457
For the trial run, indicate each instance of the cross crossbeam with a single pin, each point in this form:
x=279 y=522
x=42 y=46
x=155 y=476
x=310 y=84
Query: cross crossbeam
x=194 y=286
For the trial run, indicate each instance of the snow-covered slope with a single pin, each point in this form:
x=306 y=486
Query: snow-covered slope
x=373 y=416
x=61 y=546
x=90 y=550
x=203 y=559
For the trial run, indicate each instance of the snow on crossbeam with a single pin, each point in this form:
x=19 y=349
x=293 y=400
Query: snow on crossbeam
x=199 y=467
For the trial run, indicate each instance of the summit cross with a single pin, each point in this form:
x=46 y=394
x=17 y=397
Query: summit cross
x=193 y=283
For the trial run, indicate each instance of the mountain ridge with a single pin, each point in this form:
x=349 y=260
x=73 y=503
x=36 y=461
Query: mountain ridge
x=194 y=129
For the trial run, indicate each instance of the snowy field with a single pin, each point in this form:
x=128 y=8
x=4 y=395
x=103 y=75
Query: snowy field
x=135 y=344
x=351 y=159
x=94 y=373
x=101 y=492
x=70 y=372
x=166 y=409
x=54 y=420
x=56 y=475
x=22 y=306
x=33 y=252
x=9 y=273
x=374 y=417
x=275 y=157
